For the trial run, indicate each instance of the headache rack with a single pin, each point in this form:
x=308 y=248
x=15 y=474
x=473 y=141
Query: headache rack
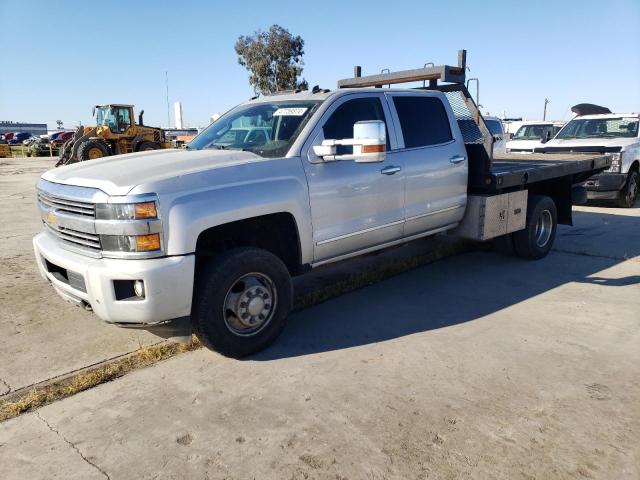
x=475 y=133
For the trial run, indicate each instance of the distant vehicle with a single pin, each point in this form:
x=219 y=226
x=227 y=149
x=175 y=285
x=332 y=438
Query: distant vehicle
x=497 y=132
x=8 y=136
x=19 y=137
x=614 y=133
x=55 y=135
x=529 y=135
x=60 y=138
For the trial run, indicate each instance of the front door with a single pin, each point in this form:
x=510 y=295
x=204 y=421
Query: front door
x=354 y=206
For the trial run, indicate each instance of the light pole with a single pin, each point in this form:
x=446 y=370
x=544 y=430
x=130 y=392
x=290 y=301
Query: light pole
x=544 y=115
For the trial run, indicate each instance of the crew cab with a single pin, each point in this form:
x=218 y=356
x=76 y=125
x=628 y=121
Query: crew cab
x=614 y=133
x=532 y=135
x=214 y=232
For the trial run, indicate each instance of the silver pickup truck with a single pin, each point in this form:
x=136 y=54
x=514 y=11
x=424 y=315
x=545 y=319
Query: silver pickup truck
x=214 y=232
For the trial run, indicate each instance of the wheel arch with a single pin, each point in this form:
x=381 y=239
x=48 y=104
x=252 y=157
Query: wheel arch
x=560 y=191
x=277 y=233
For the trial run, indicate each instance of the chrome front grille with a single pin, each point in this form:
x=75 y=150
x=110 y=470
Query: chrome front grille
x=74 y=237
x=68 y=214
x=72 y=207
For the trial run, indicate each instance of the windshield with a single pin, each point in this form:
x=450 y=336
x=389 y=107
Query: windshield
x=266 y=129
x=495 y=126
x=102 y=115
x=600 y=127
x=535 y=132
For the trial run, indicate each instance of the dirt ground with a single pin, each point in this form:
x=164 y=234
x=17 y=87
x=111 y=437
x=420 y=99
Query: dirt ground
x=478 y=366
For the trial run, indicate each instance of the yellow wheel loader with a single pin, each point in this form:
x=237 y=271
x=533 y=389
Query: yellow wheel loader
x=115 y=133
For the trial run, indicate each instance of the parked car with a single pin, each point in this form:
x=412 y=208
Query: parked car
x=19 y=137
x=531 y=134
x=613 y=133
x=8 y=136
x=213 y=233
x=61 y=139
x=497 y=131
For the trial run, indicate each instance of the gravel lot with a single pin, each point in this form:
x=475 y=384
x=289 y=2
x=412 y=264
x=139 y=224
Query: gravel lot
x=478 y=366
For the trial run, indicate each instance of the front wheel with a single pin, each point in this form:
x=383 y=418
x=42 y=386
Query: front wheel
x=147 y=146
x=629 y=193
x=242 y=301
x=535 y=241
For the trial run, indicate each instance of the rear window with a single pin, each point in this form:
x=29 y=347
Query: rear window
x=495 y=126
x=423 y=121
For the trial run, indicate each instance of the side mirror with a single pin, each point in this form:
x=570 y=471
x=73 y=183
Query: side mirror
x=369 y=144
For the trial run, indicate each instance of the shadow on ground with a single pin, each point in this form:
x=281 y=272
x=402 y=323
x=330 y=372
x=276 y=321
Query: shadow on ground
x=460 y=289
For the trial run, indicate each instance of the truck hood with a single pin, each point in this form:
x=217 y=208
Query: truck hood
x=591 y=142
x=120 y=174
x=524 y=144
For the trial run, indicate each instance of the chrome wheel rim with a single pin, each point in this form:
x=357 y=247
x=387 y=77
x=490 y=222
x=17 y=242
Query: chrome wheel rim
x=544 y=227
x=249 y=304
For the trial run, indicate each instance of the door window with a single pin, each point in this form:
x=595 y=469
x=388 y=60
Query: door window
x=423 y=121
x=340 y=125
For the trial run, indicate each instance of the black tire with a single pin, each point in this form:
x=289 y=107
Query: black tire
x=629 y=194
x=89 y=149
x=145 y=146
x=535 y=241
x=222 y=279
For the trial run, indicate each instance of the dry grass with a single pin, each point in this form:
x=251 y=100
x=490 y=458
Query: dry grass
x=38 y=396
x=20 y=402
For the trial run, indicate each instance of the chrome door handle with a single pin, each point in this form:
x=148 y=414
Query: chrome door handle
x=457 y=159
x=390 y=170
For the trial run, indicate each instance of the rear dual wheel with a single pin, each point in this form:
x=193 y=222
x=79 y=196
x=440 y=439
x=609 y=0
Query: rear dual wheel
x=535 y=241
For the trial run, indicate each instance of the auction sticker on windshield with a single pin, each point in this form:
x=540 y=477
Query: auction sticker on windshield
x=289 y=112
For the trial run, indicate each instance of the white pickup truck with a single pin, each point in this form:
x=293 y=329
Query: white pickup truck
x=531 y=135
x=214 y=233
x=614 y=133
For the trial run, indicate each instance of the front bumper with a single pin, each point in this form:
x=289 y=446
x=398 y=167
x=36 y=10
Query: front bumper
x=90 y=281
x=605 y=185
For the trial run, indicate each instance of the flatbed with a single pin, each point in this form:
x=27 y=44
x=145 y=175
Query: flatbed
x=510 y=170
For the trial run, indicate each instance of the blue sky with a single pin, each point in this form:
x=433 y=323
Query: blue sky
x=62 y=57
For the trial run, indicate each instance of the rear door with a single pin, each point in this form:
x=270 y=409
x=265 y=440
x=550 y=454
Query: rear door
x=354 y=206
x=434 y=159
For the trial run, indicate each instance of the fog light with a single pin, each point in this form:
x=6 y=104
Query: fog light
x=138 y=288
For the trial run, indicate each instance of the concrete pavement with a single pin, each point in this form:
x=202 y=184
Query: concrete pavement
x=478 y=366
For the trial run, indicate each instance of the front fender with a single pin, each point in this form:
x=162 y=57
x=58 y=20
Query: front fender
x=193 y=213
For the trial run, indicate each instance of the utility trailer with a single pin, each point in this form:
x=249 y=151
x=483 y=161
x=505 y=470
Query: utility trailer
x=494 y=206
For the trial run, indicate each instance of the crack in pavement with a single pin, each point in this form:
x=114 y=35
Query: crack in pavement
x=586 y=254
x=72 y=445
x=6 y=385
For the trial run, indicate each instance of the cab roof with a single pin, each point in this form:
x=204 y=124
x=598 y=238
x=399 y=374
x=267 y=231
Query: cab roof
x=114 y=105
x=308 y=95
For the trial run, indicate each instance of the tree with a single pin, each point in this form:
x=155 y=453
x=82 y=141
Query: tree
x=273 y=59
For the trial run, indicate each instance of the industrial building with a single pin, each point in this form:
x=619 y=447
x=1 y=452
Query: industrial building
x=32 y=128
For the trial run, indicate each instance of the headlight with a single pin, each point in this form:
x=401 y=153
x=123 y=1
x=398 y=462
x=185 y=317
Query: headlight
x=616 y=162
x=131 y=243
x=126 y=211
